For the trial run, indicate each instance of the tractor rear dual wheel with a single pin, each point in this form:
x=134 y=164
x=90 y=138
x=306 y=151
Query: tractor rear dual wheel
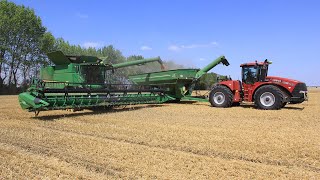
x=221 y=96
x=269 y=97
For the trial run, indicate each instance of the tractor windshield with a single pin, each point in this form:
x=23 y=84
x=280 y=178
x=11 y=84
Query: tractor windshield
x=252 y=74
x=249 y=74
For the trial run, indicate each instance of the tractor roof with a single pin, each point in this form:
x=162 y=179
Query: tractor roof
x=256 y=63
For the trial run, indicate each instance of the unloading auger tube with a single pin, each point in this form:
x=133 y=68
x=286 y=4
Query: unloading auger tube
x=206 y=69
x=213 y=64
x=139 y=62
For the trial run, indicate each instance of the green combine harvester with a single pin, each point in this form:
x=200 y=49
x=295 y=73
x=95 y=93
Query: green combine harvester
x=81 y=82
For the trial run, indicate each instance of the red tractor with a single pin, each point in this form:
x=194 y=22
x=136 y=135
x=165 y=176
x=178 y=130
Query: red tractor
x=267 y=92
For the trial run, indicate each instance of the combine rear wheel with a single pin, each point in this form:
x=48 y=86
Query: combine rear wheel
x=221 y=96
x=269 y=98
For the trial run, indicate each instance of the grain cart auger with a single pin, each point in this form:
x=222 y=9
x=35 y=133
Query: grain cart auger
x=79 y=82
x=267 y=92
x=179 y=83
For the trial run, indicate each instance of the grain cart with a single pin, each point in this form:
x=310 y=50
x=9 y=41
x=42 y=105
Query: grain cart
x=79 y=82
x=177 y=84
x=267 y=92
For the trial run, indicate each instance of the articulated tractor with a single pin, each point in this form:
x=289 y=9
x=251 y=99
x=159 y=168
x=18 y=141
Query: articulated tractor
x=267 y=92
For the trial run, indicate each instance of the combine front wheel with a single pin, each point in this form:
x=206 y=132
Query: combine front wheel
x=221 y=96
x=269 y=98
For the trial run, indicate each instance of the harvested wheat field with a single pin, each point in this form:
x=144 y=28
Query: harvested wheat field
x=168 y=141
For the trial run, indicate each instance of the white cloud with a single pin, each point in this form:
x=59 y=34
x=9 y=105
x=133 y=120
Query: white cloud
x=145 y=48
x=82 y=16
x=174 y=48
x=214 y=43
x=92 y=44
x=202 y=59
x=191 y=46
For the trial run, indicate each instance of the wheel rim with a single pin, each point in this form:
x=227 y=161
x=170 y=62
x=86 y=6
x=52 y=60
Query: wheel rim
x=219 y=98
x=267 y=99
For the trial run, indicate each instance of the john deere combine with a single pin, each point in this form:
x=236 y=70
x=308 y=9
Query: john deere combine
x=80 y=82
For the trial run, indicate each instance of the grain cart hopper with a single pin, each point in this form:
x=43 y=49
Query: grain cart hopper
x=78 y=82
x=178 y=84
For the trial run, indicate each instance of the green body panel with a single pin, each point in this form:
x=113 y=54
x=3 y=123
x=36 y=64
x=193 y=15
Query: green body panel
x=164 y=77
x=62 y=73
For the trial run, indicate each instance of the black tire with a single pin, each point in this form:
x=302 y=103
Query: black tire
x=221 y=96
x=268 y=98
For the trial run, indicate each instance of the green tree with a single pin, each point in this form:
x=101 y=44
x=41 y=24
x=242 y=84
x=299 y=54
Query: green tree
x=23 y=41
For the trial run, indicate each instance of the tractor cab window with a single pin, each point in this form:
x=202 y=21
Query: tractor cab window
x=249 y=74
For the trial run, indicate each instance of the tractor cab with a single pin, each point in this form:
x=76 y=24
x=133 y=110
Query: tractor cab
x=254 y=72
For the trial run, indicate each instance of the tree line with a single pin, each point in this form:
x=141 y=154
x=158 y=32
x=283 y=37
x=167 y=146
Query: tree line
x=24 y=43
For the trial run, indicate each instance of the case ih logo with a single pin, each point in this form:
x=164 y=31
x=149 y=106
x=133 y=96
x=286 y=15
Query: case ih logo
x=276 y=80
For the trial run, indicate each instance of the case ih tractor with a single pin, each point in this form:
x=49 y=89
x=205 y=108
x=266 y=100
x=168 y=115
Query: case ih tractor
x=267 y=92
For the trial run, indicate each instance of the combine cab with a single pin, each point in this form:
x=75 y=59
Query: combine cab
x=267 y=92
x=79 y=82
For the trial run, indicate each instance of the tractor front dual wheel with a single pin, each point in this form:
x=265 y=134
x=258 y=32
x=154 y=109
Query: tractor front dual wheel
x=221 y=96
x=269 y=98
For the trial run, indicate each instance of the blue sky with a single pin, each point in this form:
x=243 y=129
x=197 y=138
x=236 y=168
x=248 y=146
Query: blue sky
x=193 y=33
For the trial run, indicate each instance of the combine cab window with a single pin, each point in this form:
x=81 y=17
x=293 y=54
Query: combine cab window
x=93 y=74
x=249 y=74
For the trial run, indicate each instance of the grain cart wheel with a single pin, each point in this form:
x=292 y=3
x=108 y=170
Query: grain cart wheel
x=269 y=98
x=221 y=96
